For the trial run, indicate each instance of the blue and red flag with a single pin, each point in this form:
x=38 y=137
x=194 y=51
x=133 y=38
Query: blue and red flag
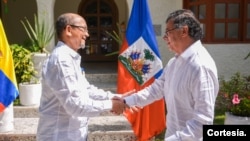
x=138 y=66
x=8 y=84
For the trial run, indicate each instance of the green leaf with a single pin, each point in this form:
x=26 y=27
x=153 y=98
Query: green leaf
x=39 y=34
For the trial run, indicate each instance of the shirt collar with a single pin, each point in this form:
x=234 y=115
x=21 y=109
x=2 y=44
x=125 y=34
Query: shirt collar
x=191 y=50
x=73 y=53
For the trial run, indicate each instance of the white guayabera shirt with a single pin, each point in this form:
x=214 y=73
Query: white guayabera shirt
x=67 y=98
x=189 y=84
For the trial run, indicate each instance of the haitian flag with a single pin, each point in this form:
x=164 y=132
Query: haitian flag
x=138 y=66
x=8 y=84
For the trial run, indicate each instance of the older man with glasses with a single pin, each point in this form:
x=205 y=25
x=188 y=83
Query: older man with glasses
x=189 y=82
x=68 y=100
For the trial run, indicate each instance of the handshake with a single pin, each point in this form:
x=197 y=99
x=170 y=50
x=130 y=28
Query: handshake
x=119 y=104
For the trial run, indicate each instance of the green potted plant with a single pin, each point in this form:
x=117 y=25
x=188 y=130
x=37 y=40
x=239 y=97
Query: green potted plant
x=234 y=98
x=118 y=37
x=39 y=37
x=24 y=68
x=28 y=85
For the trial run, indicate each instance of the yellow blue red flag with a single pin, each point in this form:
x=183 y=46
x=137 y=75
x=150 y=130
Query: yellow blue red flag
x=8 y=84
x=138 y=66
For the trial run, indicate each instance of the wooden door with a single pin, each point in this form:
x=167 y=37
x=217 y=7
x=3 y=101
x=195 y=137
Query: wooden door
x=101 y=17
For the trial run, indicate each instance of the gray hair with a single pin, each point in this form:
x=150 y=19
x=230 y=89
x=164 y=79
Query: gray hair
x=186 y=17
x=61 y=23
x=64 y=20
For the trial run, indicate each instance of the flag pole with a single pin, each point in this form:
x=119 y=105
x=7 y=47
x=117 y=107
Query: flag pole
x=7 y=119
x=8 y=87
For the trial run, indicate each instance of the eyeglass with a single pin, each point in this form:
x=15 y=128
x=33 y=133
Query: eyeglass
x=167 y=31
x=82 y=28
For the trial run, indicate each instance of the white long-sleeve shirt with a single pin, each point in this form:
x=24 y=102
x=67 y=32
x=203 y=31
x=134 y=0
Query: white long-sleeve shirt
x=189 y=84
x=67 y=98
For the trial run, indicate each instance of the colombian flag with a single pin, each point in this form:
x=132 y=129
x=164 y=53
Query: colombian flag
x=138 y=66
x=8 y=85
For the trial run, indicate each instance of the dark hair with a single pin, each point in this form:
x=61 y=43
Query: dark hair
x=186 y=17
x=61 y=23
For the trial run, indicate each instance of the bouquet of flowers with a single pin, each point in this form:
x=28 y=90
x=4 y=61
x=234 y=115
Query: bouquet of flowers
x=234 y=95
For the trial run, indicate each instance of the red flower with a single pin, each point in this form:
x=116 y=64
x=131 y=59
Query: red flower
x=236 y=99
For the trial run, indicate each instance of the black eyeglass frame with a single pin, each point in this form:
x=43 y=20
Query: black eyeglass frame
x=166 y=32
x=82 y=28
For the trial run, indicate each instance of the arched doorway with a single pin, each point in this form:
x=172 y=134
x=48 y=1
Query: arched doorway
x=101 y=17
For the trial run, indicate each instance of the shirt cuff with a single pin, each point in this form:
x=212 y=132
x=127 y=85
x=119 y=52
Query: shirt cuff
x=129 y=100
x=110 y=96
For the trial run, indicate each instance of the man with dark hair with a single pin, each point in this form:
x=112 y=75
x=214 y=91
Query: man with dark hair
x=189 y=82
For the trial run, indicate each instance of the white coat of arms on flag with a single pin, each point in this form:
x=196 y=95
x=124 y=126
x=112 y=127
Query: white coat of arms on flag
x=141 y=61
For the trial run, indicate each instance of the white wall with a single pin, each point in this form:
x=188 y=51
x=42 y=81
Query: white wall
x=228 y=57
x=159 y=11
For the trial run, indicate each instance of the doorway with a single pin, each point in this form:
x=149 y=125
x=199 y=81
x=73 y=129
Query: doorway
x=101 y=17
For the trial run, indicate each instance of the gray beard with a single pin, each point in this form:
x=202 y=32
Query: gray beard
x=82 y=46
